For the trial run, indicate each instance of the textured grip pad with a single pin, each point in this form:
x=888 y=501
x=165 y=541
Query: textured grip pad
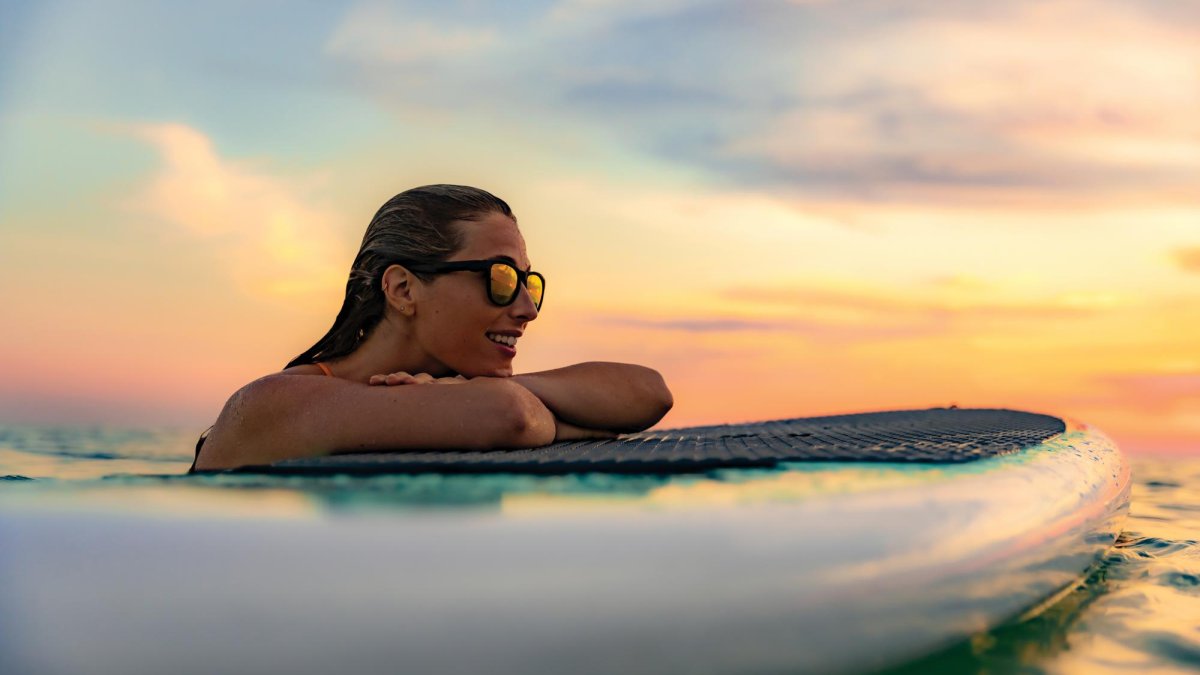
x=939 y=435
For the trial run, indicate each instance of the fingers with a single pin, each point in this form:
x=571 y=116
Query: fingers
x=393 y=379
x=400 y=378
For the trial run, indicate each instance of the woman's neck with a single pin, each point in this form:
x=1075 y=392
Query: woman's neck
x=388 y=349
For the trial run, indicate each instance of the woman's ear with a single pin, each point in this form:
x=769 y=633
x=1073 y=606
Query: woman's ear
x=398 y=286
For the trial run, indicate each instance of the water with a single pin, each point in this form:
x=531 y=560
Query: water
x=1139 y=612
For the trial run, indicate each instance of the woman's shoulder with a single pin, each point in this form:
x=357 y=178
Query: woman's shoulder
x=273 y=394
x=260 y=408
x=284 y=387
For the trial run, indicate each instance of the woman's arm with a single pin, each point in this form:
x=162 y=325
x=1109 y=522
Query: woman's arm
x=286 y=415
x=604 y=396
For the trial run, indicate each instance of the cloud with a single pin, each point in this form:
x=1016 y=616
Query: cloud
x=828 y=98
x=376 y=34
x=832 y=311
x=1188 y=259
x=699 y=325
x=810 y=330
x=1159 y=392
x=1109 y=104
x=963 y=302
x=272 y=241
x=959 y=282
x=604 y=14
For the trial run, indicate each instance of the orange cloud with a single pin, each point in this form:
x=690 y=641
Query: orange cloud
x=802 y=329
x=873 y=305
x=1188 y=259
x=271 y=240
x=815 y=348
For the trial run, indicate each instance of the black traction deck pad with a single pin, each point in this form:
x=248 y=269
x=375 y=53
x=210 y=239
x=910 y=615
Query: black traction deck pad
x=939 y=435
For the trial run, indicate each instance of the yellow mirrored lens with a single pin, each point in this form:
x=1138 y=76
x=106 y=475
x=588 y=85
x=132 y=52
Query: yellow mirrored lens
x=535 y=286
x=503 y=283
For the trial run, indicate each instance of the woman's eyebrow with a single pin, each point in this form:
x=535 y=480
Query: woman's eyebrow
x=511 y=261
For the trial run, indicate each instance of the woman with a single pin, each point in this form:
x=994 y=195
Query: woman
x=420 y=355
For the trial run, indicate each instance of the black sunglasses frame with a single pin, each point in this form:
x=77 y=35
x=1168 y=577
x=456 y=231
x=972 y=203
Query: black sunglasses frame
x=479 y=266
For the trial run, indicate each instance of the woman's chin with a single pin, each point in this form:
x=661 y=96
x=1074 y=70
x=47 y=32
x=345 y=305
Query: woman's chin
x=493 y=371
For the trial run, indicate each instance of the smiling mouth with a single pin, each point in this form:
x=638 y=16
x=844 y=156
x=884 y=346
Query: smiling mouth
x=509 y=341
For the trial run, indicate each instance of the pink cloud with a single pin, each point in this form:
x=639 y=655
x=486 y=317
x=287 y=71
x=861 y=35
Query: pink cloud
x=1140 y=394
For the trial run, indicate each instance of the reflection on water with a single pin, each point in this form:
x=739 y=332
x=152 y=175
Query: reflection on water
x=1139 y=612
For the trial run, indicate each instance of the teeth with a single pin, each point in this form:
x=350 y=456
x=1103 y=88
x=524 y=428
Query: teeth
x=503 y=339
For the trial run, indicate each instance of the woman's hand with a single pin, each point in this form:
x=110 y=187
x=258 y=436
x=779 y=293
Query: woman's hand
x=400 y=378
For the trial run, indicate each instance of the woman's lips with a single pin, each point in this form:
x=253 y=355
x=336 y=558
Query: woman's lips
x=504 y=349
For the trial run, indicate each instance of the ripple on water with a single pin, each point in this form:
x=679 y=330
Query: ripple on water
x=1173 y=648
x=1184 y=581
x=1137 y=612
x=1156 y=547
x=100 y=443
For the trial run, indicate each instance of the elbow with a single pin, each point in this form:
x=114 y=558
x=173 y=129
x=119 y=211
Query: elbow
x=665 y=406
x=524 y=421
x=663 y=395
x=659 y=399
x=653 y=400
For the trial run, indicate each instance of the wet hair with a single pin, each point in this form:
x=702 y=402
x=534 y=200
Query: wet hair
x=417 y=224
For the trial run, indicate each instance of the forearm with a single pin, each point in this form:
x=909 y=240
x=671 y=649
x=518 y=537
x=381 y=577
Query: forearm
x=597 y=395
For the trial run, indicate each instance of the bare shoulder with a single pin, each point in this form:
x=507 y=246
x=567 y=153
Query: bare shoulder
x=293 y=414
x=254 y=414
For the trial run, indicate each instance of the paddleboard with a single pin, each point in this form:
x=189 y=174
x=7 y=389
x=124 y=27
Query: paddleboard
x=831 y=544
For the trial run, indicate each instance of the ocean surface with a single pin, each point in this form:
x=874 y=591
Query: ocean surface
x=1138 y=612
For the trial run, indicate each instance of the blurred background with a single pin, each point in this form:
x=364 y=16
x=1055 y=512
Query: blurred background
x=790 y=208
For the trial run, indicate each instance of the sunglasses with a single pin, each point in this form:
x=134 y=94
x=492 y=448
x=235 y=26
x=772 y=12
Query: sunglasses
x=503 y=280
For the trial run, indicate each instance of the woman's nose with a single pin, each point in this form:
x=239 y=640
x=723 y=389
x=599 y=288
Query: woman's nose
x=524 y=307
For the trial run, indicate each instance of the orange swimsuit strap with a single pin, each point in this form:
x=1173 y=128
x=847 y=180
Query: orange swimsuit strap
x=325 y=369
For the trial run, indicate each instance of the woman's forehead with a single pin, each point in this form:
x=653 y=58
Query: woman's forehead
x=493 y=236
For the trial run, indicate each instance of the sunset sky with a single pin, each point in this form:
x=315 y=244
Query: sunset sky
x=789 y=208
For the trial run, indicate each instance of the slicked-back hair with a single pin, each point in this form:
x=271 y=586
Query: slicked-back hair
x=417 y=224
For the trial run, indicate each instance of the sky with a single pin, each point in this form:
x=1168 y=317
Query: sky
x=787 y=207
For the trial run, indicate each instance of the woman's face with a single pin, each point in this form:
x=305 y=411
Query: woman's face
x=455 y=322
